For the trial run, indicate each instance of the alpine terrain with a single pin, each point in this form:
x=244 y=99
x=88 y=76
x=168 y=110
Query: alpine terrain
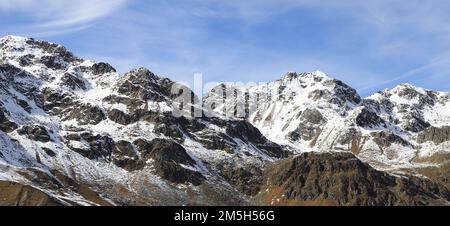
x=76 y=132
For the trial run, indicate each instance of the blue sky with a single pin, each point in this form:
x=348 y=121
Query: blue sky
x=370 y=45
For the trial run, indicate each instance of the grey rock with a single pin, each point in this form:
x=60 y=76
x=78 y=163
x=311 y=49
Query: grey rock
x=368 y=119
x=125 y=156
x=86 y=114
x=434 y=134
x=5 y=124
x=73 y=82
x=167 y=156
x=35 y=132
x=102 y=68
x=312 y=116
x=120 y=117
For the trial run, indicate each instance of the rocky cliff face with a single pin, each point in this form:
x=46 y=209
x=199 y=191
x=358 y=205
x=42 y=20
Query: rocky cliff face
x=342 y=179
x=75 y=132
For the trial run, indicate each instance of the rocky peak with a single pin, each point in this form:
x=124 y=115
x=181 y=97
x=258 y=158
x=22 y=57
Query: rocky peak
x=11 y=41
x=405 y=88
x=141 y=73
x=313 y=75
x=27 y=51
x=323 y=87
x=405 y=92
x=144 y=84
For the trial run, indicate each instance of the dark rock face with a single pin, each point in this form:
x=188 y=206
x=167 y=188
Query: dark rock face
x=26 y=60
x=164 y=150
x=10 y=72
x=312 y=116
x=73 y=82
x=343 y=92
x=53 y=102
x=35 y=132
x=49 y=152
x=376 y=106
x=102 y=68
x=369 y=119
x=54 y=49
x=24 y=104
x=415 y=124
x=120 y=117
x=141 y=83
x=86 y=114
x=304 y=131
x=348 y=136
x=310 y=127
x=168 y=156
x=434 y=134
x=166 y=119
x=121 y=153
x=248 y=133
x=169 y=130
x=5 y=124
x=245 y=131
x=385 y=139
x=216 y=141
x=100 y=147
x=342 y=179
x=125 y=156
x=52 y=62
x=245 y=179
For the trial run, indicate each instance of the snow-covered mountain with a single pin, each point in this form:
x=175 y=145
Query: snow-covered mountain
x=404 y=129
x=76 y=132
x=65 y=118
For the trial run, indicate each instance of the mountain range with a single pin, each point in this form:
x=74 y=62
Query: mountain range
x=76 y=132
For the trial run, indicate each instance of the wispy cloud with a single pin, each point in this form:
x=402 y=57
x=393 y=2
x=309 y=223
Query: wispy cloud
x=428 y=68
x=57 y=16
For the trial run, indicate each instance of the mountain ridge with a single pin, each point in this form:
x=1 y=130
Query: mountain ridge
x=83 y=134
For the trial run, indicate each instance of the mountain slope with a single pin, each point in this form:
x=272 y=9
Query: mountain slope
x=342 y=179
x=75 y=132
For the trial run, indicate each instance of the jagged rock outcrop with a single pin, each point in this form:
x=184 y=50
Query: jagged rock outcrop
x=102 y=68
x=5 y=124
x=436 y=135
x=72 y=81
x=369 y=119
x=343 y=179
x=171 y=160
x=125 y=156
x=35 y=132
x=97 y=146
x=386 y=139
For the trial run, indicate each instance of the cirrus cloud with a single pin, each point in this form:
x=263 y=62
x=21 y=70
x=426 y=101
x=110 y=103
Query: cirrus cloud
x=59 y=14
